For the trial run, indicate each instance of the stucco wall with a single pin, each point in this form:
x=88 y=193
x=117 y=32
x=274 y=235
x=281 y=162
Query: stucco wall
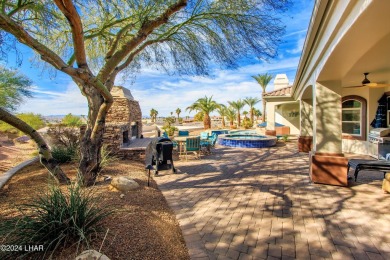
x=285 y=113
x=288 y=115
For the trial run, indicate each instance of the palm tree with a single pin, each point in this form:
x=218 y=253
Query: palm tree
x=263 y=80
x=153 y=114
x=237 y=105
x=256 y=113
x=178 y=111
x=222 y=112
x=231 y=115
x=205 y=105
x=251 y=102
x=245 y=114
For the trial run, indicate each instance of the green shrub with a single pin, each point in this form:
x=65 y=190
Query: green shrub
x=199 y=117
x=64 y=154
x=247 y=123
x=34 y=120
x=285 y=138
x=55 y=220
x=107 y=157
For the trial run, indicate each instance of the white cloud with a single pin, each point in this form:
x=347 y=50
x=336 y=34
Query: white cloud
x=166 y=93
x=56 y=103
x=299 y=46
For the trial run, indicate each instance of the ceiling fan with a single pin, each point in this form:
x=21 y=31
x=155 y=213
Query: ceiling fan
x=367 y=83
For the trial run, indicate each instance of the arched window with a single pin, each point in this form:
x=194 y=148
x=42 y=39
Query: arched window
x=354 y=119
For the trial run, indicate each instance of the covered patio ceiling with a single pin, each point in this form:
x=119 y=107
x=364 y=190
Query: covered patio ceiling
x=364 y=48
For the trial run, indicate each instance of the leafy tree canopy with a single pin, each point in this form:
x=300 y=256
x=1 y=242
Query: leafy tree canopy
x=71 y=120
x=13 y=88
x=34 y=120
x=180 y=36
x=199 y=116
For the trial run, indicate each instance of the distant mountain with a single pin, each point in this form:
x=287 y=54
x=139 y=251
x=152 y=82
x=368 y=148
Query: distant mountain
x=56 y=118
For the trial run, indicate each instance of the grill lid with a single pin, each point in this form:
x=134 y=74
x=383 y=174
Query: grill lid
x=380 y=132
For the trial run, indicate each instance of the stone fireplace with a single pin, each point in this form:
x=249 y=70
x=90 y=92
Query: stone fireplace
x=134 y=130
x=123 y=120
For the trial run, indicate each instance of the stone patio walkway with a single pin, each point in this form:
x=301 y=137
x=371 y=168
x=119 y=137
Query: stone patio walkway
x=260 y=204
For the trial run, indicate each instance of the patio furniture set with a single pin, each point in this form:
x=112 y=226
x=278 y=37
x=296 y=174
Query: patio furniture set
x=186 y=144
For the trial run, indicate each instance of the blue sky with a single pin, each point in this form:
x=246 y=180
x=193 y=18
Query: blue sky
x=57 y=94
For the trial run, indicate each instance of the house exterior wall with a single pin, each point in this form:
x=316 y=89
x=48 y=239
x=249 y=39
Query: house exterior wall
x=372 y=95
x=285 y=113
x=288 y=114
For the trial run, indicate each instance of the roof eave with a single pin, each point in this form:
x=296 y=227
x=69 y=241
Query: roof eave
x=279 y=98
x=319 y=10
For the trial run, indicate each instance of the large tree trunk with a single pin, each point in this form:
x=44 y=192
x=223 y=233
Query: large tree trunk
x=206 y=121
x=45 y=155
x=92 y=139
x=90 y=158
x=251 y=115
x=223 y=122
x=231 y=124
x=238 y=118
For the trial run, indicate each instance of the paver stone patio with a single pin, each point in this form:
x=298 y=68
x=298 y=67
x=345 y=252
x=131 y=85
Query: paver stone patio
x=260 y=204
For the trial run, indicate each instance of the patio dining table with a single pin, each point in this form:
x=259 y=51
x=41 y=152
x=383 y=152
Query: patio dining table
x=181 y=141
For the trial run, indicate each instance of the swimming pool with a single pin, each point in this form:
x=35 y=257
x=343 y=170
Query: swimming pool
x=247 y=140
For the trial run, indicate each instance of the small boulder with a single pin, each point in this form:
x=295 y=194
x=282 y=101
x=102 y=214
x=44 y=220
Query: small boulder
x=91 y=255
x=124 y=184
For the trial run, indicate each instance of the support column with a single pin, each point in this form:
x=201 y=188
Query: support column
x=327 y=163
x=328 y=121
x=270 y=129
x=305 y=140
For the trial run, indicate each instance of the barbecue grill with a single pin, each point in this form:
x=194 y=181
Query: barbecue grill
x=379 y=143
x=159 y=153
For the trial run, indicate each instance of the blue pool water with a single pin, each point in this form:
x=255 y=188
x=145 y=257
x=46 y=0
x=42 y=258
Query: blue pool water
x=243 y=132
x=246 y=140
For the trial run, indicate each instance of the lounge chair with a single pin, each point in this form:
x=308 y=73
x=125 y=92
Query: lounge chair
x=368 y=165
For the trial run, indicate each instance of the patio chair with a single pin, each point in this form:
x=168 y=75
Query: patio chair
x=204 y=135
x=183 y=133
x=192 y=145
x=213 y=139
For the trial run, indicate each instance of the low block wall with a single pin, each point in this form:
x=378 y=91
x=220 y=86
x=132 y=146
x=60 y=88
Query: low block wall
x=282 y=130
x=305 y=143
x=329 y=169
x=131 y=154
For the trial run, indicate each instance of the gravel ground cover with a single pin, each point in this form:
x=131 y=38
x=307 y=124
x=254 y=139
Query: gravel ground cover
x=141 y=227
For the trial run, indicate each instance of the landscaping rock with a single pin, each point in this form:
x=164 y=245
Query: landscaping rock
x=124 y=184
x=91 y=255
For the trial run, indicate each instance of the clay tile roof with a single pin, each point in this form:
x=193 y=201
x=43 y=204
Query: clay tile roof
x=282 y=92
